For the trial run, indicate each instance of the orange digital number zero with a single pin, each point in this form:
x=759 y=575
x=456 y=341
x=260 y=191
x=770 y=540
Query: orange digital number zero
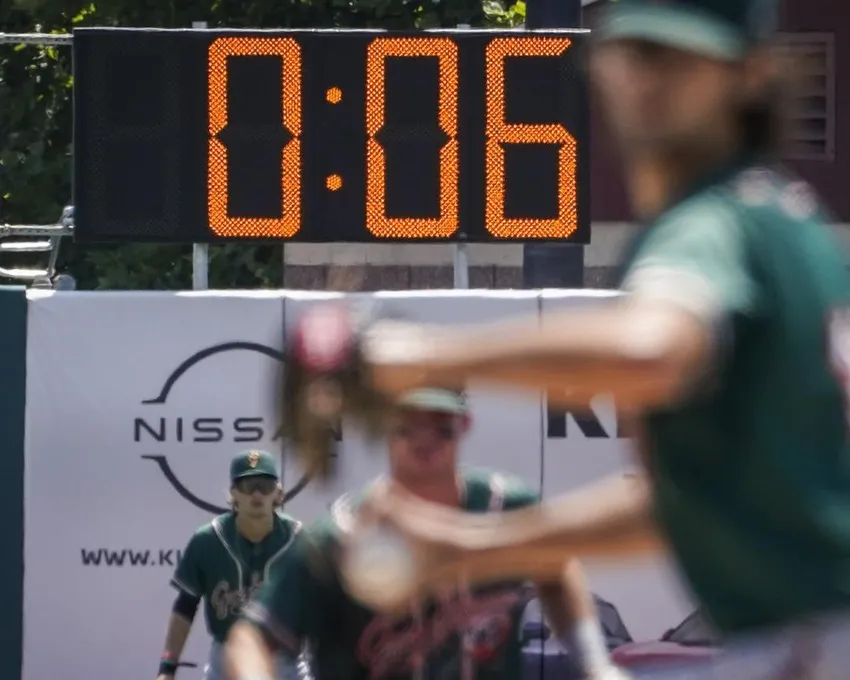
x=500 y=132
x=377 y=222
x=289 y=223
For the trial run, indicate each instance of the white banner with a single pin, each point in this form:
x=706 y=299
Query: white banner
x=136 y=402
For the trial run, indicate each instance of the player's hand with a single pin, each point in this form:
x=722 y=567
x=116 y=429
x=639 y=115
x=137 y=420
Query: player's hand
x=448 y=548
x=164 y=676
x=325 y=378
x=343 y=361
x=391 y=565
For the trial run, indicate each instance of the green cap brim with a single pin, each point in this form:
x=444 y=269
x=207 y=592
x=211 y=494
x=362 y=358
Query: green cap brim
x=431 y=399
x=254 y=473
x=682 y=28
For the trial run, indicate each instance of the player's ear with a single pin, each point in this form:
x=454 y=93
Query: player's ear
x=278 y=498
x=465 y=423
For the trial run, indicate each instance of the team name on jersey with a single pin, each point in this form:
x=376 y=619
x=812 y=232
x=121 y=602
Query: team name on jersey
x=393 y=645
x=227 y=601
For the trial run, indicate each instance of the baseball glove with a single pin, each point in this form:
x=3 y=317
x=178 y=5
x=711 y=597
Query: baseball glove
x=325 y=378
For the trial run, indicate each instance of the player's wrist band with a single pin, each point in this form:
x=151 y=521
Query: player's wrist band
x=167 y=665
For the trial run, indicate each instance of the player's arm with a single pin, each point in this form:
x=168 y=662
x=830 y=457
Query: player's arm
x=188 y=581
x=640 y=350
x=559 y=599
x=609 y=518
x=701 y=269
x=248 y=653
x=179 y=626
x=645 y=349
x=279 y=620
x=570 y=611
x=567 y=603
x=698 y=272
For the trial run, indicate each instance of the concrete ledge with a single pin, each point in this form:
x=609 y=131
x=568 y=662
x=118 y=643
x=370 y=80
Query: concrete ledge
x=409 y=254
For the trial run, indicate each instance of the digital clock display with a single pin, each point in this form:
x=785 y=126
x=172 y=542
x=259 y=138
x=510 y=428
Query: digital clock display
x=330 y=135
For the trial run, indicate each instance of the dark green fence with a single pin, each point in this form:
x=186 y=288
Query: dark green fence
x=13 y=373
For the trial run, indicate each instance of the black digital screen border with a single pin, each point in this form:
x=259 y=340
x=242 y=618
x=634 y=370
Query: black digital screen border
x=180 y=190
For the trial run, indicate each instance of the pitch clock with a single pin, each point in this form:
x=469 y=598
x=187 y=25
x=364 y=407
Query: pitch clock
x=330 y=135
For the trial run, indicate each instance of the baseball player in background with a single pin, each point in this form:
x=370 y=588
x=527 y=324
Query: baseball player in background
x=464 y=634
x=227 y=560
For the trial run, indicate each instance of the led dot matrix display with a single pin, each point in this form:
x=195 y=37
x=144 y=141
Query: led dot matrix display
x=317 y=136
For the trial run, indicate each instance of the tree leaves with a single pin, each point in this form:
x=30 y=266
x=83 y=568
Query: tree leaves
x=501 y=14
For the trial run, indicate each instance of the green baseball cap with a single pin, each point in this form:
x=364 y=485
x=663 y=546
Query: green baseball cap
x=435 y=399
x=722 y=29
x=253 y=463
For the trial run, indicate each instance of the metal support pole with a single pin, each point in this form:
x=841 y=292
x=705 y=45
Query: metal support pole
x=461 y=266
x=460 y=251
x=553 y=265
x=200 y=266
x=200 y=251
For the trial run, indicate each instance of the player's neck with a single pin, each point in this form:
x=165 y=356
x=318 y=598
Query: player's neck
x=255 y=530
x=444 y=491
x=656 y=181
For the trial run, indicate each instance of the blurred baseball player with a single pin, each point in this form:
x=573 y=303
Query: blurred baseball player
x=731 y=347
x=461 y=634
x=227 y=560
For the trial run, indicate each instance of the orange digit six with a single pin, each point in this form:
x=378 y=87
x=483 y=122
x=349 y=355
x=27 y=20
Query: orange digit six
x=499 y=132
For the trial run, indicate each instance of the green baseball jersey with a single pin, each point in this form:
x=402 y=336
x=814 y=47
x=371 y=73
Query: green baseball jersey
x=752 y=470
x=226 y=569
x=473 y=632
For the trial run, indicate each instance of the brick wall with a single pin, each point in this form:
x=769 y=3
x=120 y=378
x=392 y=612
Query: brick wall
x=372 y=277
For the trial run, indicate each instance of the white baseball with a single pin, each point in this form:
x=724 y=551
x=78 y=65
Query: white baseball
x=380 y=567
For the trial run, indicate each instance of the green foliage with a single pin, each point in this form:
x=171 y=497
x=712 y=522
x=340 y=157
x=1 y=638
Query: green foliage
x=35 y=117
x=508 y=15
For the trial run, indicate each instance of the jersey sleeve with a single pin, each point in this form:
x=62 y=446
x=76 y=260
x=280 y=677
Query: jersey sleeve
x=286 y=607
x=188 y=576
x=697 y=258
